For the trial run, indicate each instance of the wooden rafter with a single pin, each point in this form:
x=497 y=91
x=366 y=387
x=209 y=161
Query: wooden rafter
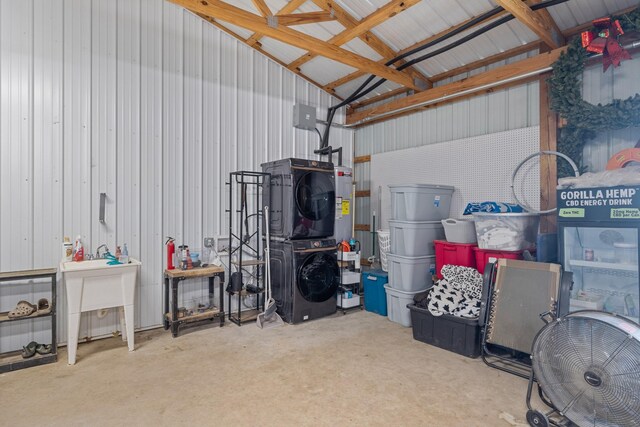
x=304 y=18
x=373 y=41
x=376 y=18
x=549 y=19
x=262 y=7
x=290 y=7
x=330 y=87
x=357 y=74
x=504 y=73
x=539 y=23
x=223 y=11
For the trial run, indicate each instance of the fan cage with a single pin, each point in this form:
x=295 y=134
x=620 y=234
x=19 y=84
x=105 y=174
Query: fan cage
x=588 y=365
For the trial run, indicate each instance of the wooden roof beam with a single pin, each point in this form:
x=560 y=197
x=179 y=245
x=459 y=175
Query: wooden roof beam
x=547 y=17
x=220 y=10
x=477 y=82
x=304 y=18
x=376 y=18
x=373 y=41
x=262 y=7
x=357 y=74
x=539 y=23
x=290 y=7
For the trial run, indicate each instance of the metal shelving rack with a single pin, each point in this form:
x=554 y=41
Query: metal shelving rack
x=13 y=361
x=246 y=257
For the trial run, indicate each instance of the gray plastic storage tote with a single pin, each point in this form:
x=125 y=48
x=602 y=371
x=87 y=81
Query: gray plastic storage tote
x=397 y=302
x=415 y=238
x=420 y=202
x=410 y=274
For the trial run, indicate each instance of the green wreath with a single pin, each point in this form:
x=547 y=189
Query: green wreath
x=585 y=120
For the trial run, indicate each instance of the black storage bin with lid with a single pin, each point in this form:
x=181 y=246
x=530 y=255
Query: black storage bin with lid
x=452 y=333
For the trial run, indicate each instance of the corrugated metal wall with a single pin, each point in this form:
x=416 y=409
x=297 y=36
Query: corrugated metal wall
x=145 y=102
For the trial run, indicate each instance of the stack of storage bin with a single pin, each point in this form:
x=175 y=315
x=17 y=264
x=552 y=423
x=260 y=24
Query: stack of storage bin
x=461 y=248
x=416 y=211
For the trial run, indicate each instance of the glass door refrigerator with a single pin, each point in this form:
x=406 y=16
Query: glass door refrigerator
x=598 y=231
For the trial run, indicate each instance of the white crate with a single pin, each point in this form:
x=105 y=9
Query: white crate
x=343 y=302
x=349 y=277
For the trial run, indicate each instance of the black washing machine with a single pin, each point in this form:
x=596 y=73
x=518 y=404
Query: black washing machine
x=304 y=278
x=301 y=195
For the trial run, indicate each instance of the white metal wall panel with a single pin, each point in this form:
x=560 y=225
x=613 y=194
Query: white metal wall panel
x=479 y=168
x=152 y=165
x=147 y=103
x=16 y=167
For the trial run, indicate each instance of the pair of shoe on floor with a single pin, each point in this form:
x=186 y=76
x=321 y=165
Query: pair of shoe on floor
x=25 y=308
x=33 y=347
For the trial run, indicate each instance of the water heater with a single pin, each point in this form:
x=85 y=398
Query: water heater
x=344 y=203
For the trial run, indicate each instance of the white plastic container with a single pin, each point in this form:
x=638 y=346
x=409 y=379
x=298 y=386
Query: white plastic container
x=384 y=244
x=397 y=302
x=67 y=250
x=415 y=238
x=506 y=231
x=460 y=230
x=409 y=274
x=420 y=202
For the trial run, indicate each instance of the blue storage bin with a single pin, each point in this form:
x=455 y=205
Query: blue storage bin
x=375 y=297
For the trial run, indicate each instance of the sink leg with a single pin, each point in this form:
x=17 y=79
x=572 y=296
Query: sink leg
x=123 y=325
x=73 y=331
x=129 y=320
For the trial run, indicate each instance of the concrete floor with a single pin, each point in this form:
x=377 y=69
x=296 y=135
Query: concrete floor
x=357 y=369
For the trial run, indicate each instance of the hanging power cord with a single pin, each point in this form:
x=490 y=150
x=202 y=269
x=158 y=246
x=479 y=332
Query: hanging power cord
x=358 y=93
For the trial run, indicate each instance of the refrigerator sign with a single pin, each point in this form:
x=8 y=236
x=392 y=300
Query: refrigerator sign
x=600 y=203
x=625 y=213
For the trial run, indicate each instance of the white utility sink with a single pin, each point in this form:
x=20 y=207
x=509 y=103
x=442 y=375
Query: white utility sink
x=94 y=285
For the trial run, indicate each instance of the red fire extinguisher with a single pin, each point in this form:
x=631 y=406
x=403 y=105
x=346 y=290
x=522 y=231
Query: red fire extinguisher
x=171 y=250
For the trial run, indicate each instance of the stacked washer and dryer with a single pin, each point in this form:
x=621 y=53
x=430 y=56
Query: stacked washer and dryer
x=304 y=268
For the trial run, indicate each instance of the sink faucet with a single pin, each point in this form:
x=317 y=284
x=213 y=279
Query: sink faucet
x=106 y=249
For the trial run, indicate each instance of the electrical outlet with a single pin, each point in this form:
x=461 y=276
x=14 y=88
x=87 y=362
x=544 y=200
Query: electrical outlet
x=209 y=242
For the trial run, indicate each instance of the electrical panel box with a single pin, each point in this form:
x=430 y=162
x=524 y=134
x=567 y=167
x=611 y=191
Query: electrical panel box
x=304 y=117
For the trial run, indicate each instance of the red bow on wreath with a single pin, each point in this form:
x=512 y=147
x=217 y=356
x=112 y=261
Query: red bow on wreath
x=605 y=41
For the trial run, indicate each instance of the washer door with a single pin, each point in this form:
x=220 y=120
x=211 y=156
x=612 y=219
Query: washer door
x=318 y=277
x=315 y=196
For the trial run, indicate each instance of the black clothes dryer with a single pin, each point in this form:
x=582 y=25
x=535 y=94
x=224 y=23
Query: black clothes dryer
x=301 y=196
x=304 y=278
